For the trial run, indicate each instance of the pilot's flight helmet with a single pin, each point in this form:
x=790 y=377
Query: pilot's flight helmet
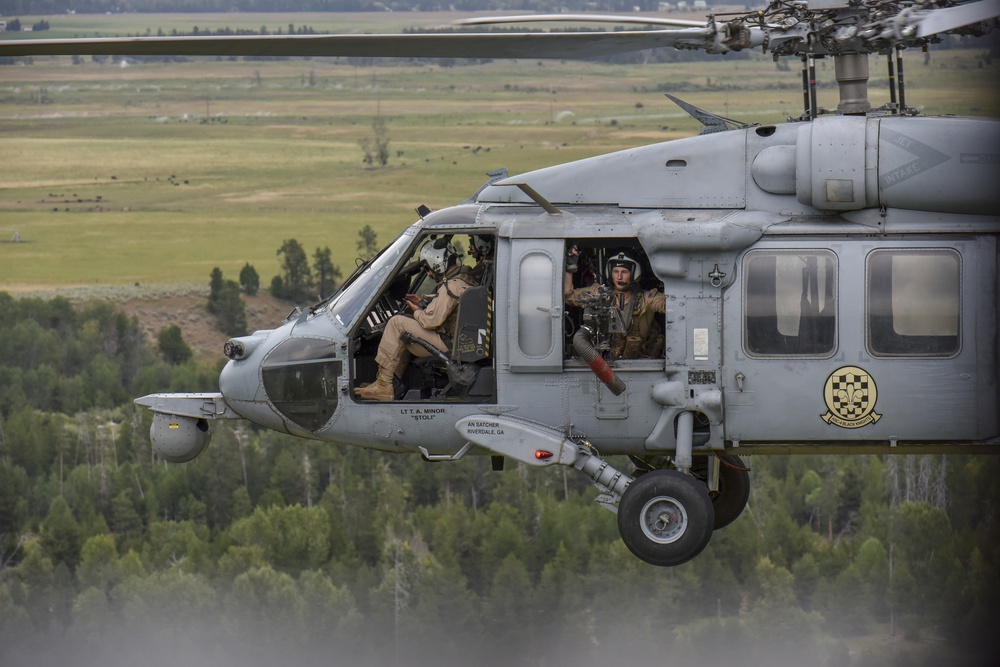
x=439 y=254
x=483 y=243
x=623 y=260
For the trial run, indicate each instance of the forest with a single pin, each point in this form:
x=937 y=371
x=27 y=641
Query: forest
x=271 y=549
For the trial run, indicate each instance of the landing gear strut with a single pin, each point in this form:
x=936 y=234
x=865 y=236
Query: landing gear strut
x=734 y=487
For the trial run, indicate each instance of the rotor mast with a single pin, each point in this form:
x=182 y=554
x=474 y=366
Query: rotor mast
x=852 y=78
x=852 y=75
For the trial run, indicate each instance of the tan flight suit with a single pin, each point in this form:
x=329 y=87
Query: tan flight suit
x=427 y=323
x=643 y=338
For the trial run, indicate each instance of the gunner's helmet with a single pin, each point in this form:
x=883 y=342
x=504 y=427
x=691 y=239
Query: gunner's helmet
x=623 y=260
x=483 y=244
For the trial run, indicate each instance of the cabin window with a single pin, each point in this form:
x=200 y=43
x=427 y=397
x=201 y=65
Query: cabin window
x=534 y=309
x=790 y=303
x=913 y=301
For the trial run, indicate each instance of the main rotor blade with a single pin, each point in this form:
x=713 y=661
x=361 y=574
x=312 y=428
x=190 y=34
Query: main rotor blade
x=581 y=18
x=435 y=45
x=950 y=18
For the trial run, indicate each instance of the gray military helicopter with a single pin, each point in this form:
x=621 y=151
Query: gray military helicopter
x=826 y=285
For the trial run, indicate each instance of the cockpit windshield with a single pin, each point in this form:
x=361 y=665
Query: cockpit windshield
x=352 y=300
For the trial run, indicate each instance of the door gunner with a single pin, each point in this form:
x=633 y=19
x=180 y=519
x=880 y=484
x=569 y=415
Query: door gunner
x=643 y=338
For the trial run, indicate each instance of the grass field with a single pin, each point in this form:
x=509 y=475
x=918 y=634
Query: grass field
x=156 y=173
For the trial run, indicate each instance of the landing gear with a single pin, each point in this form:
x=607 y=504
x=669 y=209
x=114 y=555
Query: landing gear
x=733 y=492
x=734 y=487
x=666 y=517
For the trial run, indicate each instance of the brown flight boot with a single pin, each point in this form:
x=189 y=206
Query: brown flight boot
x=380 y=390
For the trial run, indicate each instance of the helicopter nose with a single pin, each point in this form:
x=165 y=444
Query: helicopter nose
x=286 y=378
x=238 y=382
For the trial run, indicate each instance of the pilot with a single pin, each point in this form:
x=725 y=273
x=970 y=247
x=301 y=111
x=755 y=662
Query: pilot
x=433 y=319
x=643 y=337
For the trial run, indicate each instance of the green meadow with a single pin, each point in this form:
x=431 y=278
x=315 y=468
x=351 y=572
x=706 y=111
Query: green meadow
x=156 y=173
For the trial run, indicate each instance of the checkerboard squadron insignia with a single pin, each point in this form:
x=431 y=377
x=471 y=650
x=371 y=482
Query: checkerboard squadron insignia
x=850 y=396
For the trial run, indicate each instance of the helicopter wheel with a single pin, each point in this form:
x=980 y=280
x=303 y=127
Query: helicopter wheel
x=734 y=488
x=665 y=517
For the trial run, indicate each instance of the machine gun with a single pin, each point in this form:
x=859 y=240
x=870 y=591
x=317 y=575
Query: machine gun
x=601 y=321
x=601 y=316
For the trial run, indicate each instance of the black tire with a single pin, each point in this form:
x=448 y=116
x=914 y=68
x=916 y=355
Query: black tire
x=734 y=488
x=665 y=517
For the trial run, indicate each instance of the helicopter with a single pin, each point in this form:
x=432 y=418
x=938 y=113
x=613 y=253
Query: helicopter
x=824 y=285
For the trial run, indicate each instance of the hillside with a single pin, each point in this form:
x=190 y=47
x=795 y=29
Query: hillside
x=197 y=325
x=158 y=306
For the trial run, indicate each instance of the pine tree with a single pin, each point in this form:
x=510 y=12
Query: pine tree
x=249 y=280
x=326 y=273
x=173 y=349
x=62 y=538
x=216 y=281
x=296 y=282
x=367 y=244
x=230 y=310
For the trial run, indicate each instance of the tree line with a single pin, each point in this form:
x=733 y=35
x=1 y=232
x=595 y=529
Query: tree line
x=56 y=358
x=14 y=25
x=269 y=546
